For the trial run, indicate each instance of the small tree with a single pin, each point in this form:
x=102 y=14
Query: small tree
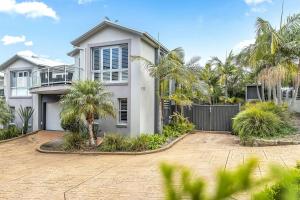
x=5 y=115
x=25 y=115
x=87 y=99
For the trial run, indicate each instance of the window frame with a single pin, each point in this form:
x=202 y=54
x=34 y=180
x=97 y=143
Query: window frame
x=28 y=82
x=120 y=110
x=120 y=70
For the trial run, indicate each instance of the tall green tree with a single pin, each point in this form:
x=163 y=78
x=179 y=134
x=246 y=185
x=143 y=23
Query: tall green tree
x=226 y=69
x=87 y=99
x=210 y=77
x=273 y=55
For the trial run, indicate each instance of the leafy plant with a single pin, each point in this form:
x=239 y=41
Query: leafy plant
x=10 y=132
x=280 y=110
x=254 y=122
x=280 y=183
x=72 y=123
x=263 y=120
x=180 y=183
x=114 y=142
x=6 y=115
x=73 y=141
x=25 y=115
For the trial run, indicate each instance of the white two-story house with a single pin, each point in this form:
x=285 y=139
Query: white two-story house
x=104 y=54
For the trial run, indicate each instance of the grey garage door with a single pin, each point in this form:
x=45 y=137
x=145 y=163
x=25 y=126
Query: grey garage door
x=212 y=117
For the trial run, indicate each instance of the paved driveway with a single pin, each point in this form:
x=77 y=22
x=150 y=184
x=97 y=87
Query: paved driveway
x=27 y=174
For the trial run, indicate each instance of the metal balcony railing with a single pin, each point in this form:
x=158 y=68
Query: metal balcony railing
x=56 y=76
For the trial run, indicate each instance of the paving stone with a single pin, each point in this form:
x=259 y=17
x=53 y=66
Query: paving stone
x=28 y=174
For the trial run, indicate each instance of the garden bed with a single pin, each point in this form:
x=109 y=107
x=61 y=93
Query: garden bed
x=56 y=147
x=18 y=137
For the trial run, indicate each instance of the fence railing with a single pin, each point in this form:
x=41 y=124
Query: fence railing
x=56 y=75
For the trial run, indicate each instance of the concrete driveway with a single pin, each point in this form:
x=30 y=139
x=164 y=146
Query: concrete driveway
x=27 y=174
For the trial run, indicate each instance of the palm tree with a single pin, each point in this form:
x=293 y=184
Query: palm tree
x=273 y=54
x=170 y=66
x=225 y=69
x=210 y=77
x=87 y=99
x=25 y=115
x=189 y=87
x=6 y=114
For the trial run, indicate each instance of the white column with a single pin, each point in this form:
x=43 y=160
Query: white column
x=35 y=117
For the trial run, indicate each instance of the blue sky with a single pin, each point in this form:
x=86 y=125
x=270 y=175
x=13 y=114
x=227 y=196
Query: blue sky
x=202 y=27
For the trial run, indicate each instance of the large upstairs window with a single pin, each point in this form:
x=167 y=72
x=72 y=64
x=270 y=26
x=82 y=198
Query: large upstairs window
x=20 y=82
x=110 y=64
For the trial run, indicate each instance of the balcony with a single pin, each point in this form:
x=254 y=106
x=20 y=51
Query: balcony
x=54 y=80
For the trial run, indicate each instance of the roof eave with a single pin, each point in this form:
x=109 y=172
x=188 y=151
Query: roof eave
x=99 y=27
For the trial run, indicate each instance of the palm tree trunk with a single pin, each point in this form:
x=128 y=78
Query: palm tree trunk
x=297 y=85
x=263 y=91
x=269 y=93
x=257 y=90
x=274 y=95
x=226 y=89
x=91 y=134
x=279 y=94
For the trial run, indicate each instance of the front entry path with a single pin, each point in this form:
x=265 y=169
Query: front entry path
x=28 y=174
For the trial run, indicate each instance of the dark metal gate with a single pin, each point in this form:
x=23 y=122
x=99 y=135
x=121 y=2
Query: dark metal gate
x=212 y=117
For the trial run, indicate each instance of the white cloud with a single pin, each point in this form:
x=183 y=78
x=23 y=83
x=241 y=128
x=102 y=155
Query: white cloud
x=31 y=9
x=84 y=1
x=241 y=45
x=256 y=2
x=8 y=40
x=28 y=43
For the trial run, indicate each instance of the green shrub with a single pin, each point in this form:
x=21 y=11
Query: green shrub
x=74 y=141
x=180 y=125
x=282 y=183
x=10 y=132
x=254 y=122
x=72 y=124
x=280 y=110
x=263 y=120
x=114 y=142
x=147 y=142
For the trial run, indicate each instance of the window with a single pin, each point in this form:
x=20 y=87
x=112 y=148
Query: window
x=110 y=64
x=20 y=81
x=123 y=110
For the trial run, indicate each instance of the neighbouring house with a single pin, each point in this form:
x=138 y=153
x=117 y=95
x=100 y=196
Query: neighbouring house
x=252 y=95
x=24 y=74
x=103 y=53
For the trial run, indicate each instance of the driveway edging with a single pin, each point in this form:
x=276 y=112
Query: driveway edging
x=168 y=146
x=19 y=137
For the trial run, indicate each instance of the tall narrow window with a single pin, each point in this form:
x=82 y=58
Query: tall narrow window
x=123 y=111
